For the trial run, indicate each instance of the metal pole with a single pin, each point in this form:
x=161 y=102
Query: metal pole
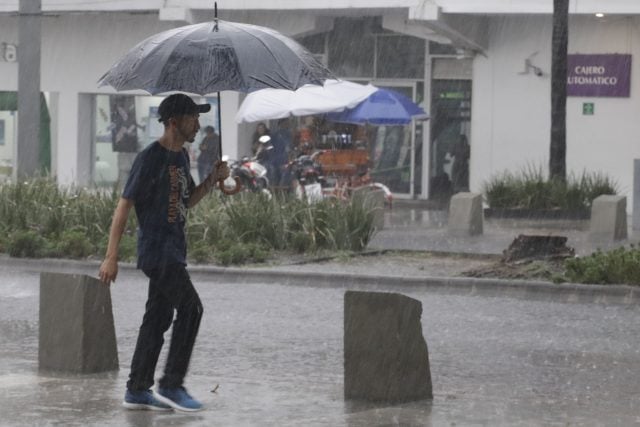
x=215 y=16
x=238 y=186
x=27 y=152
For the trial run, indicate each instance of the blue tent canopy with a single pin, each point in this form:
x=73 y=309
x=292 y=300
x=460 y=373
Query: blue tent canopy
x=383 y=107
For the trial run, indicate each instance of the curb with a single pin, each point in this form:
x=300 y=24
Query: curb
x=472 y=286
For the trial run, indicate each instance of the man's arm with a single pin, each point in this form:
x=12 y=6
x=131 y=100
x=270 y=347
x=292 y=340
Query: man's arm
x=220 y=171
x=109 y=267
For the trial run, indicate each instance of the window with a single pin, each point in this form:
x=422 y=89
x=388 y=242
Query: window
x=126 y=124
x=314 y=44
x=351 y=48
x=400 y=57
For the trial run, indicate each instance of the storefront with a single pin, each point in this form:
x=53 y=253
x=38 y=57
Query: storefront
x=385 y=59
x=8 y=134
x=481 y=71
x=124 y=125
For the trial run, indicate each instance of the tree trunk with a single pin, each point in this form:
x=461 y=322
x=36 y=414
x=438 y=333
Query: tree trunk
x=560 y=38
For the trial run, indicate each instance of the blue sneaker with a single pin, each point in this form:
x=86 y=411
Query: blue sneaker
x=145 y=400
x=179 y=399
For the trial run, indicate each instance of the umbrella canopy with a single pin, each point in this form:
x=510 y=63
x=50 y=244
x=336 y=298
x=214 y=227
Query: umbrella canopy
x=334 y=95
x=383 y=107
x=215 y=56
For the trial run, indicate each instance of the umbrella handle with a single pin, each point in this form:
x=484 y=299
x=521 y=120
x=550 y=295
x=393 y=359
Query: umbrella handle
x=229 y=192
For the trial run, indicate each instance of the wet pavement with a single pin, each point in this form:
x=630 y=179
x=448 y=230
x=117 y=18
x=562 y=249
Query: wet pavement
x=276 y=352
x=410 y=227
x=274 y=346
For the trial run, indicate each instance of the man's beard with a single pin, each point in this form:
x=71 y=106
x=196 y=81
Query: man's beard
x=187 y=135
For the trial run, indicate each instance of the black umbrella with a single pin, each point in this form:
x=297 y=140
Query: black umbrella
x=215 y=56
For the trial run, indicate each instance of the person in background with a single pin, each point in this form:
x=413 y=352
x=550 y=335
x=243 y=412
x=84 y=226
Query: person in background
x=161 y=189
x=209 y=152
x=279 y=155
x=304 y=138
x=460 y=168
x=261 y=130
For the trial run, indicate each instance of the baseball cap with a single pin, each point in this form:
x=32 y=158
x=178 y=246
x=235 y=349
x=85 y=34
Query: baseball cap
x=179 y=104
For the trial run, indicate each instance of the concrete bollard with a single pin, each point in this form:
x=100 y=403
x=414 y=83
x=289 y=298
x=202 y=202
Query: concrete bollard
x=77 y=333
x=466 y=217
x=374 y=199
x=385 y=354
x=608 y=218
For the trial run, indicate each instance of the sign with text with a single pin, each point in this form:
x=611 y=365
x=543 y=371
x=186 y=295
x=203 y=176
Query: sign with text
x=605 y=75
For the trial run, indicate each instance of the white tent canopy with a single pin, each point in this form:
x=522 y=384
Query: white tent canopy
x=335 y=95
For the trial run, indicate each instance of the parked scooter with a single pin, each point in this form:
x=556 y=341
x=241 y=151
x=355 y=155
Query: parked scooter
x=252 y=170
x=307 y=178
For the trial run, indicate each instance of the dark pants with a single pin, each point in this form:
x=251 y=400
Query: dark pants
x=170 y=289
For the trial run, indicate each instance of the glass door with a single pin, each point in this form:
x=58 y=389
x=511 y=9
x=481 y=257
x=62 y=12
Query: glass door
x=392 y=149
x=450 y=128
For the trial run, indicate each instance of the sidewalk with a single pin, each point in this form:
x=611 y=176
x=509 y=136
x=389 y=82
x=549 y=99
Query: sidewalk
x=411 y=226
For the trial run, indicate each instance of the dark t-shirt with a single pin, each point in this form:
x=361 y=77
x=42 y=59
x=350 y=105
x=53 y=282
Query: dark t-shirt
x=160 y=185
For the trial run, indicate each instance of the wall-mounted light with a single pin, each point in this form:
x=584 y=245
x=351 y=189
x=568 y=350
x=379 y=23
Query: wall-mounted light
x=8 y=52
x=529 y=66
x=599 y=15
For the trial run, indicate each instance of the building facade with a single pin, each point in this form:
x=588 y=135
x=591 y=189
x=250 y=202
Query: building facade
x=480 y=69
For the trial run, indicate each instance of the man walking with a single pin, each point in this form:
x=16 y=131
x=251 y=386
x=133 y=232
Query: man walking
x=161 y=189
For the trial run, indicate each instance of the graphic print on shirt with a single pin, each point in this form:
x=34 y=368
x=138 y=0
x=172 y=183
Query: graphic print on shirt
x=178 y=193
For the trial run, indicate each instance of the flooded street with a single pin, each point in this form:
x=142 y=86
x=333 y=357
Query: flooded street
x=276 y=352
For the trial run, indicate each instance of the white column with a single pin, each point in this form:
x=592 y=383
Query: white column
x=230 y=102
x=54 y=126
x=84 y=140
x=426 y=125
x=73 y=129
x=67 y=137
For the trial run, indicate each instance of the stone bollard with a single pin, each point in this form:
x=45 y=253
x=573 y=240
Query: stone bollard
x=77 y=333
x=608 y=218
x=465 y=214
x=385 y=354
x=374 y=199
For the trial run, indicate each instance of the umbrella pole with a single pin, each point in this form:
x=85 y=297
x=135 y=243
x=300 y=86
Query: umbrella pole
x=219 y=122
x=238 y=187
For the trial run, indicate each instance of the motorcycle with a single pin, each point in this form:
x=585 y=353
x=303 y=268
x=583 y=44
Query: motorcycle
x=251 y=170
x=307 y=178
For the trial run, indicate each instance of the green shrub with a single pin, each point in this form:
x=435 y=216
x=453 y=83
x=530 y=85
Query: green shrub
x=258 y=253
x=358 y=217
x=619 y=266
x=241 y=253
x=4 y=239
x=74 y=244
x=253 y=217
x=27 y=244
x=300 y=241
x=530 y=189
x=201 y=252
x=218 y=222
x=235 y=254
